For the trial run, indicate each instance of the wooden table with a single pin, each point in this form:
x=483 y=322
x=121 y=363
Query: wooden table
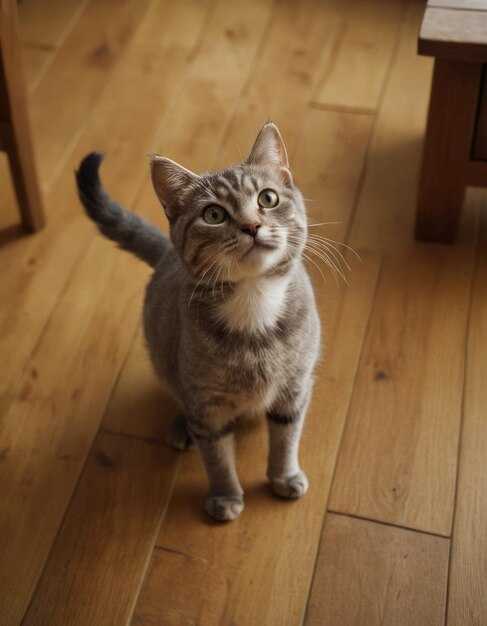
x=455 y=153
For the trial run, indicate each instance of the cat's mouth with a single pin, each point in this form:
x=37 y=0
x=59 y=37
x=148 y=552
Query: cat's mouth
x=257 y=246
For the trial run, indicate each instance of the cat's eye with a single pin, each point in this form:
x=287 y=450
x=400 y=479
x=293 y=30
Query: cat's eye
x=214 y=214
x=268 y=199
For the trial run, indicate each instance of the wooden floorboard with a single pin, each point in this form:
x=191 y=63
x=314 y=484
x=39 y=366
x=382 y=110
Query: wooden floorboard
x=468 y=576
x=39 y=266
x=94 y=573
x=106 y=526
x=356 y=67
x=370 y=573
x=61 y=103
x=47 y=24
x=407 y=399
x=408 y=395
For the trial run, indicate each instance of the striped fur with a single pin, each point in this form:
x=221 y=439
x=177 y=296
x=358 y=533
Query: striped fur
x=229 y=315
x=130 y=231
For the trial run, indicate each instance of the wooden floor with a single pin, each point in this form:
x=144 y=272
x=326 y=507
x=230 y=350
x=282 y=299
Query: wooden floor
x=100 y=523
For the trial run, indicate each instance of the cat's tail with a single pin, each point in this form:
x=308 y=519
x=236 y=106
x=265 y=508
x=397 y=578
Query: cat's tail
x=130 y=231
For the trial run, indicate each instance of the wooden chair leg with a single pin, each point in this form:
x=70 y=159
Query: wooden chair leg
x=449 y=134
x=24 y=177
x=14 y=121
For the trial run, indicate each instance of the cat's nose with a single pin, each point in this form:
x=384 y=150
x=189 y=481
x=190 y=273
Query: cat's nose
x=251 y=229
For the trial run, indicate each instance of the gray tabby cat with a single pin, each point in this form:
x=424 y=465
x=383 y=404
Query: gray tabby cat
x=230 y=317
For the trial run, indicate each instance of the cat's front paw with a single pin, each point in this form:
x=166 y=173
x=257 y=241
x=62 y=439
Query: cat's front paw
x=291 y=487
x=224 y=508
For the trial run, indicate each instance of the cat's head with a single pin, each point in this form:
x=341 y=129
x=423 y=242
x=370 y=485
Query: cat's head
x=248 y=220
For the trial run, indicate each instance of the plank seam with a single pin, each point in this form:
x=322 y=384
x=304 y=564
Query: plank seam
x=181 y=553
x=23 y=374
x=56 y=49
x=341 y=108
x=59 y=528
x=157 y=529
x=334 y=51
x=74 y=140
x=462 y=418
x=380 y=105
x=246 y=83
x=390 y=524
x=111 y=431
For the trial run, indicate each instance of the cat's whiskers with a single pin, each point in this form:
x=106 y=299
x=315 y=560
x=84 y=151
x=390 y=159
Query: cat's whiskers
x=321 y=254
x=329 y=247
x=212 y=256
x=332 y=259
x=210 y=273
x=329 y=259
x=333 y=241
x=294 y=243
x=213 y=280
x=314 y=263
x=326 y=247
x=344 y=245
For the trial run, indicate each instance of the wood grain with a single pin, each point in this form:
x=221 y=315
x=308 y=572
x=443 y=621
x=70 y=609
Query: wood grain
x=455 y=35
x=48 y=23
x=140 y=406
x=369 y=573
x=38 y=268
x=408 y=394
x=173 y=578
x=298 y=41
x=35 y=60
x=225 y=60
x=44 y=26
x=354 y=72
x=397 y=462
x=95 y=567
x=468 y=576
x=77 y=77
x=173 y=23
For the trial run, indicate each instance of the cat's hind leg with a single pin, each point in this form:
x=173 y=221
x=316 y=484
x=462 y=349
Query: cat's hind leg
x=178 y=436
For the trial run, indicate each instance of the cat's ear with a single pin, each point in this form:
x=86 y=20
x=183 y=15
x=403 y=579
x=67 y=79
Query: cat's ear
x=269 y=151
x=169 y=180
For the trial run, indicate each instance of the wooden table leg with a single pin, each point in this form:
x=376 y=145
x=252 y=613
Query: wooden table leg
x=451 y=118
x=14 y=122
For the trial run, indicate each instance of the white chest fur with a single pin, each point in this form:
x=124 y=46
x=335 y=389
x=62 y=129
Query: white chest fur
x=255 y=305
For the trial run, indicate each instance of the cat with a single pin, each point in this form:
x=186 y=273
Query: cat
x=230 y=318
